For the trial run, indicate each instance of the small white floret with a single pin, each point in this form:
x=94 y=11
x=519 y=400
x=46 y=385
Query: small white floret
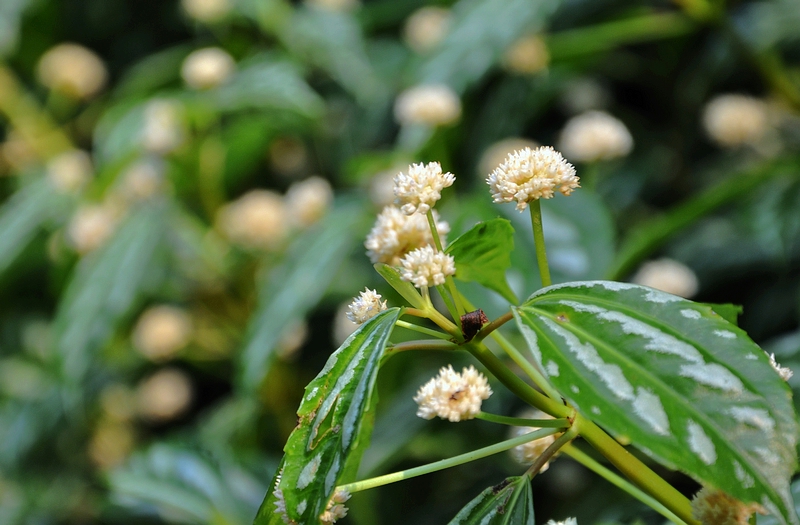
x=784 y=372
x=431 y=105
x=426 y=27
x=207 y=68
x=453 y=396
x=336 y=508
x=395 y=234
x=366 y=306
x=595 y=135
x=734 y=120
x=70 y=171
x=73 y=70
x=668 y=276
x=308 y=201
x=420 y=187
x=527 y=56
x=427 y=267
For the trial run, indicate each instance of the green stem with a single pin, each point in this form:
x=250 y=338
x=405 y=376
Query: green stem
x=423 y=344
x=386 y=479
x=451 y=285
x=494 y=325
x=519 y=387
x=538 y=240
x=645 y=239
x=522 y=422
x=635 y=470
x=448 y=302
x=606 y=36
x=422 y=329
x=550 y=451
x=616 y=480
x=434 y=315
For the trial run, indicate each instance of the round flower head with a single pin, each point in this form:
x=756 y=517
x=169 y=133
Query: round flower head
x=453 y=396
x=308 y=201
x=257 y=220
x=161 y=332
x=336 y=508
x=530 y=174
x=163 y=131
x=70 y=171
x=72 y=70
x=365 y=306
x=90 y=227
x=668 y=276
x=207 y=68
x=529 y=452
x=426 y=27
x=496 y=154
x=395 y=234
x=164 y=395
x=432 y=105
x=206 y=10
x=734 y=120
x=527 y=56
x=427 y=267
x=595 y=135
x=420 y=188
x=714 y=507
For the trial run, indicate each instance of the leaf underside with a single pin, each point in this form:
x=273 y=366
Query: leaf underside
x=508 y=503
x=686 y=386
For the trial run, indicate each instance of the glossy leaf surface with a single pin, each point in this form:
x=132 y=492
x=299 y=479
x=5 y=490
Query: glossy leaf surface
x=686 y=386
x=483 y=254
x=334 y=423
x=509 y=503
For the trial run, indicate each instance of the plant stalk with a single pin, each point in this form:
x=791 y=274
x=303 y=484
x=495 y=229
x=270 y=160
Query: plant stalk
x=522 y=422
x=538 y=240
x=421 y=329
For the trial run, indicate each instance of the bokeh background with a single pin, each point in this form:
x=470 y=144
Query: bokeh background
x=186 y=188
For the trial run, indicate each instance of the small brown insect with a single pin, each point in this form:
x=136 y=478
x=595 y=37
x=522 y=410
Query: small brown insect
x=471 y=323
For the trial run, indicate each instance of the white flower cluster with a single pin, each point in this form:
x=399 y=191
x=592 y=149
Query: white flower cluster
x=143 y=179
x=366 y=306
x=427 y=267
x=785 y=372
x=420 y=188
x=164 y=395
x=91 y=226
x=336 y=508
x=527 y=56
x=163 y=130
x=395 y=234
x=568 y=521
x=668 y=276
x=206 y=10
x=595 y=135
x=70 y=171
x=72 y=70
x=453 y=396
x=161 y=332
x=734 y=120
x=531 y=174
x=528 y=452
x=207 y=68
x=257 y=220
x=431 y=105
x=308 y=200
x=426 y=27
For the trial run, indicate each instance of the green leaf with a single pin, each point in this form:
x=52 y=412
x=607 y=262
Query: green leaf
x=24 y=214
x=332 y=430
x=404 y=288
x=772 y=520
x=684 y=385
x=269 y=83
x=295 y=287
x=509 y=503
x=483 y=255
x=729 y=312
x=481 y=32
x=104 y=289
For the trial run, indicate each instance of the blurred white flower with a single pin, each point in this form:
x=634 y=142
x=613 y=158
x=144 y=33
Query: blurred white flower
x=668 y=276
x=395 y=234
x=334 y=5
x=163 y=131
x=335 y=509
x=420 y=188
x=426 y=27
x=733 y=120
x=595 y=135
x=431 y=104
x=70 y=171
x=427 y=267
x=531 y=174
x=584 y=94
x=143 y=179
x=527 y=56
x=91 y=226
x=366 y=306
x=785 y=372
x=161 y=332
x=164 y=395
x=288 y=156
x=207 y=68
x=257 y=220
x=73 y=70
x=529 y=452
x=292 y=340
x=381 y=187
x=568 y=521
x=206 y=10
x=497 y=153
x=453 y=396
x=308 y=201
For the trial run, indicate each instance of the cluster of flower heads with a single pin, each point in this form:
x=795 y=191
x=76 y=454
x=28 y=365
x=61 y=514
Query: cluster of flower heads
x=420 y=188
x=366 y=306
x=453 y=396
x=530 y=174
x=395 y=234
